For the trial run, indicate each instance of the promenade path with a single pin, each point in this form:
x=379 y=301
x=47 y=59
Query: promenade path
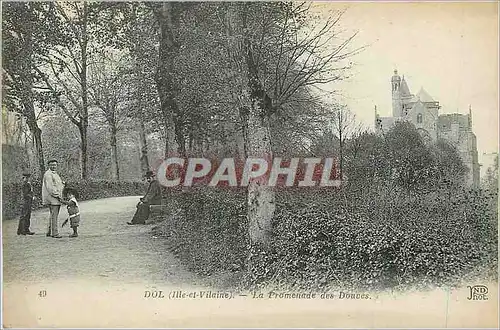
x=107 y=249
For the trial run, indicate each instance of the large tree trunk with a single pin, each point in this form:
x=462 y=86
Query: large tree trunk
x=168 y=122
x=143 y=143
x=168 y=20
x=28 y=101
x=261 y=203
x=114 y=154
x=190 y=140
x=165 y=79
x=179 y=133
x=260 y=198
x=37 y=134
x=242 y=135
x=341 y=144
x=82 y=128
x=84 y=121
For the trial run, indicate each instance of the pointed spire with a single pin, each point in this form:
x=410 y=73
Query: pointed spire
x=470 y=116
x=405 y=90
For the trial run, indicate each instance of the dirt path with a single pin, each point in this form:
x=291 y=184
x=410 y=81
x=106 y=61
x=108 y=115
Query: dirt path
x=107 y=250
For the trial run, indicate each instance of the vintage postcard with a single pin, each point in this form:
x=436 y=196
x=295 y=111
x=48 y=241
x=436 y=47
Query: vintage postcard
x=249 y=164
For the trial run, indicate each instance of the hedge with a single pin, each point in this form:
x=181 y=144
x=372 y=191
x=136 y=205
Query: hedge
x=387 y=238
x=208 y=231
x=87 y=190
x=422 y=243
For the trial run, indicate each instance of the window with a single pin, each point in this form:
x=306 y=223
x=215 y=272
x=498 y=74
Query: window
x=419 y=118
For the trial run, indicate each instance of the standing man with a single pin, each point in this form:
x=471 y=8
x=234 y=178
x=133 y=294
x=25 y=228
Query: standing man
x=52 y=188
x=152 y=197
x=25 y=219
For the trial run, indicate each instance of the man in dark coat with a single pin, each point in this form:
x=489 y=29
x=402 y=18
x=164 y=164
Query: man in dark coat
x=152 y=197
x=25 y=219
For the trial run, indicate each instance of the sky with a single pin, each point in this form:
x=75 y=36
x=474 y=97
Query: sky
x=450 y=49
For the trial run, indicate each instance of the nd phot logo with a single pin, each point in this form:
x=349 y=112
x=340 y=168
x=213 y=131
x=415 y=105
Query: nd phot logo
x=478 y=292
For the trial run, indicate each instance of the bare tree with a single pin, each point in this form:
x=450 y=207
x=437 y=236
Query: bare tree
x=251 y=98
x=294 y=52
x=345 y=127
x=275 y=55
x=108 y=87
x=65 y=71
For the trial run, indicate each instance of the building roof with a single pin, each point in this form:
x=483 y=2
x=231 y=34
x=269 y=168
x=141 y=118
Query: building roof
x=405 y=91
x=423 y=96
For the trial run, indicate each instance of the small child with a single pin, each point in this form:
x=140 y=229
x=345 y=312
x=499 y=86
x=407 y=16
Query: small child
x=73 y=210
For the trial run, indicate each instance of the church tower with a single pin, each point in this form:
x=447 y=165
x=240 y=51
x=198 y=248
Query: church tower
x=397 y=103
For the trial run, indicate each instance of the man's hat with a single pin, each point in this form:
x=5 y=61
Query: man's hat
x=149 y=174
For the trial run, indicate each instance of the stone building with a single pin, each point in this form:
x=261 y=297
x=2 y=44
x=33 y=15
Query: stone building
x=423 y=111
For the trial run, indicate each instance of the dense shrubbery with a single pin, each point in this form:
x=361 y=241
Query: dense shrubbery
x=323 y=238
x=209 y=232
x=12 y=193
x=404 y=217
x=425 y=240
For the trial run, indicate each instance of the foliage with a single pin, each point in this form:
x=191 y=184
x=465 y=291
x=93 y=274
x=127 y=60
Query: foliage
x=402 y=157
x=323 y=239
x=64 y=43
x=402 y=220
x=427 y=241
x=491 y=179
x=28 y=29
x=14 y=162
x=61 y=141
x=209 y=232
x=25 y=37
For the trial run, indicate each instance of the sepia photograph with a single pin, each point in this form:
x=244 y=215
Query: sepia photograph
x=253 y=164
